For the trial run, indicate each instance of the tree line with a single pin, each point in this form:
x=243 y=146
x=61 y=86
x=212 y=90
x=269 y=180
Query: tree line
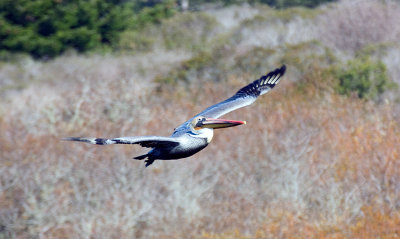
x=46 y=28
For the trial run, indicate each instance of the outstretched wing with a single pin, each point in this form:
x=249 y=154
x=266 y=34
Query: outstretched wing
x=144 y=141
x=246 y=95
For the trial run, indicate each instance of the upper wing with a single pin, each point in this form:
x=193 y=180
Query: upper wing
x=144 y=141
x=246 y=95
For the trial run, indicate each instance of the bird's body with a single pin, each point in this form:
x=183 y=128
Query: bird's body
x=196 y=133
x=189 y=144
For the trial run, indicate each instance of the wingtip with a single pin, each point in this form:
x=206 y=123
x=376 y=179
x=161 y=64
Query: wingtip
x=283 y=68
x=79 y=139
x=68 y=139
x=278 y=71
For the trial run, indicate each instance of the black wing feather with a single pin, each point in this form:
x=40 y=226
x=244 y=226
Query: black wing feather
x=265 y=83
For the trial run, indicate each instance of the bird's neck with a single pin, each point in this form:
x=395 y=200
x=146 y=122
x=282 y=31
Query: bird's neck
x=205 y=133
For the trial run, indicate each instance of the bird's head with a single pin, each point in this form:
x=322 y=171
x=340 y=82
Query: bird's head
x=201 y=122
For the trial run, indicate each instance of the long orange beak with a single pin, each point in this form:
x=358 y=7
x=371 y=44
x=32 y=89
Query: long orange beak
x=220 y=123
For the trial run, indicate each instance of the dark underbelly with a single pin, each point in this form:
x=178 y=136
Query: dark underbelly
x=176 y=153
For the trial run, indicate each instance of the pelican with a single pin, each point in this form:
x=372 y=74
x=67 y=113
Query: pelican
x=196 y=133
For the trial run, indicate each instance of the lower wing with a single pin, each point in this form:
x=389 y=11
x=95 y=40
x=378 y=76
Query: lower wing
x=144 y=141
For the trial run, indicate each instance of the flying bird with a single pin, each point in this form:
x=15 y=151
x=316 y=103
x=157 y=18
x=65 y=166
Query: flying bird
x=196 y=133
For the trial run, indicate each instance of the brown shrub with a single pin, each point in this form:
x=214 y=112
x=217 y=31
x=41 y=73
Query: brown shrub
x=352 y=25
x=309 y=163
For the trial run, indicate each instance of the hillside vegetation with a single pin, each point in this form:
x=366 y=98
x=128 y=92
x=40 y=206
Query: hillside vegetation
x=319 y=156
x=47 y=28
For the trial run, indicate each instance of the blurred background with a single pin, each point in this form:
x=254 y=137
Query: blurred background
x=318 y=158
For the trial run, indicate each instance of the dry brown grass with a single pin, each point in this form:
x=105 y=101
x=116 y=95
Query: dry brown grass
x=321 y=166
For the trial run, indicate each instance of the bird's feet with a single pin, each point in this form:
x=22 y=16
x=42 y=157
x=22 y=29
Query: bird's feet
x=148 y=162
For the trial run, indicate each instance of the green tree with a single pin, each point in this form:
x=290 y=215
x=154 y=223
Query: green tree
x=45 y=28
x=363 y=76
x=272 y=3
x=293 y=3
